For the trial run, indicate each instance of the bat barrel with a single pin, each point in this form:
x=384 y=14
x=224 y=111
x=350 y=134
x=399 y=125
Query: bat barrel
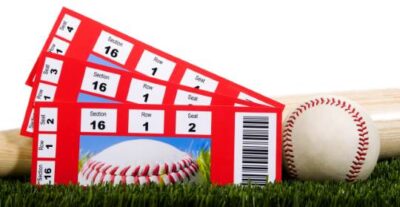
x=15 y=153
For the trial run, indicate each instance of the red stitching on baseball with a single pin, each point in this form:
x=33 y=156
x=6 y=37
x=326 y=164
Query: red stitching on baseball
x=361 y=124
x=354 y=171
x=136 y=171
x=288 y=150
x=100 y=172
x=90 y=169
x=355 y=167
x=178 y=175
x=360 y=158
x=363 y=143
x=103 y=172
x=287 y=145
x=123 y=174
x=288 y=124
x=166 y=168
x=145 y=170
x=171 y=179
x=360 y=153
x=362 y=129
x=155 y=170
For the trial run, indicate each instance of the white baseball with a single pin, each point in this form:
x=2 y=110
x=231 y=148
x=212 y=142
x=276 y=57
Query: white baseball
x=139 y=161
x=330 y=138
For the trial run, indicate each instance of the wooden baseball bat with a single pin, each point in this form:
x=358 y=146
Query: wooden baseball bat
x=382 y=105
x=15 y=153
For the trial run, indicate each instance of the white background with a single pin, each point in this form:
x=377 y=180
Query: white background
x=275 y=48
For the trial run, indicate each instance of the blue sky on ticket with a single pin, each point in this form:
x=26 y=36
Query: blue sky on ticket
x=96 y=144
x=86 y=98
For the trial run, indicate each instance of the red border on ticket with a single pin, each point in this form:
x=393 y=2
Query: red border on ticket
x=66 y=79
x=80 y=37
x=67 y=122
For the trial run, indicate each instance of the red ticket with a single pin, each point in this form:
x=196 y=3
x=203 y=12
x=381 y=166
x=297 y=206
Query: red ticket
x=68 y=80
x=84 y=39
x=97 y=143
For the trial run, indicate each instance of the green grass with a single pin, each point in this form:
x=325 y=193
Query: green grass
x=203 y=161
x=382 y=189
x=83 y=160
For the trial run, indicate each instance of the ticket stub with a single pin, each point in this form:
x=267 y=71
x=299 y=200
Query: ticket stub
x=81 y=38
x=66 y=79
x=97 y=143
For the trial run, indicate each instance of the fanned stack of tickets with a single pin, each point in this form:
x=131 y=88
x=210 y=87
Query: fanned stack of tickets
x=107 y=108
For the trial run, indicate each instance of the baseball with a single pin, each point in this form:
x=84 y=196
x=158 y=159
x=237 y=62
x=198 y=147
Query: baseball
x=330 y=138
x=139 y=161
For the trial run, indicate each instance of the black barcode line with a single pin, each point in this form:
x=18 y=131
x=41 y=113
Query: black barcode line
x=255 y=142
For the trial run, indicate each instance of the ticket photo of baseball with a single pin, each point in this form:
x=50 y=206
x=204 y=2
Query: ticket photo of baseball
x=126 y=160
x=208 y=103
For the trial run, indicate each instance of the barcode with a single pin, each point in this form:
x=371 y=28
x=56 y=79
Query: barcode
x=255 y=149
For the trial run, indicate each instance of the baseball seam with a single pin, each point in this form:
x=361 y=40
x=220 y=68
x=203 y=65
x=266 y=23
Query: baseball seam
x=96 y=172
x=363 y=139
